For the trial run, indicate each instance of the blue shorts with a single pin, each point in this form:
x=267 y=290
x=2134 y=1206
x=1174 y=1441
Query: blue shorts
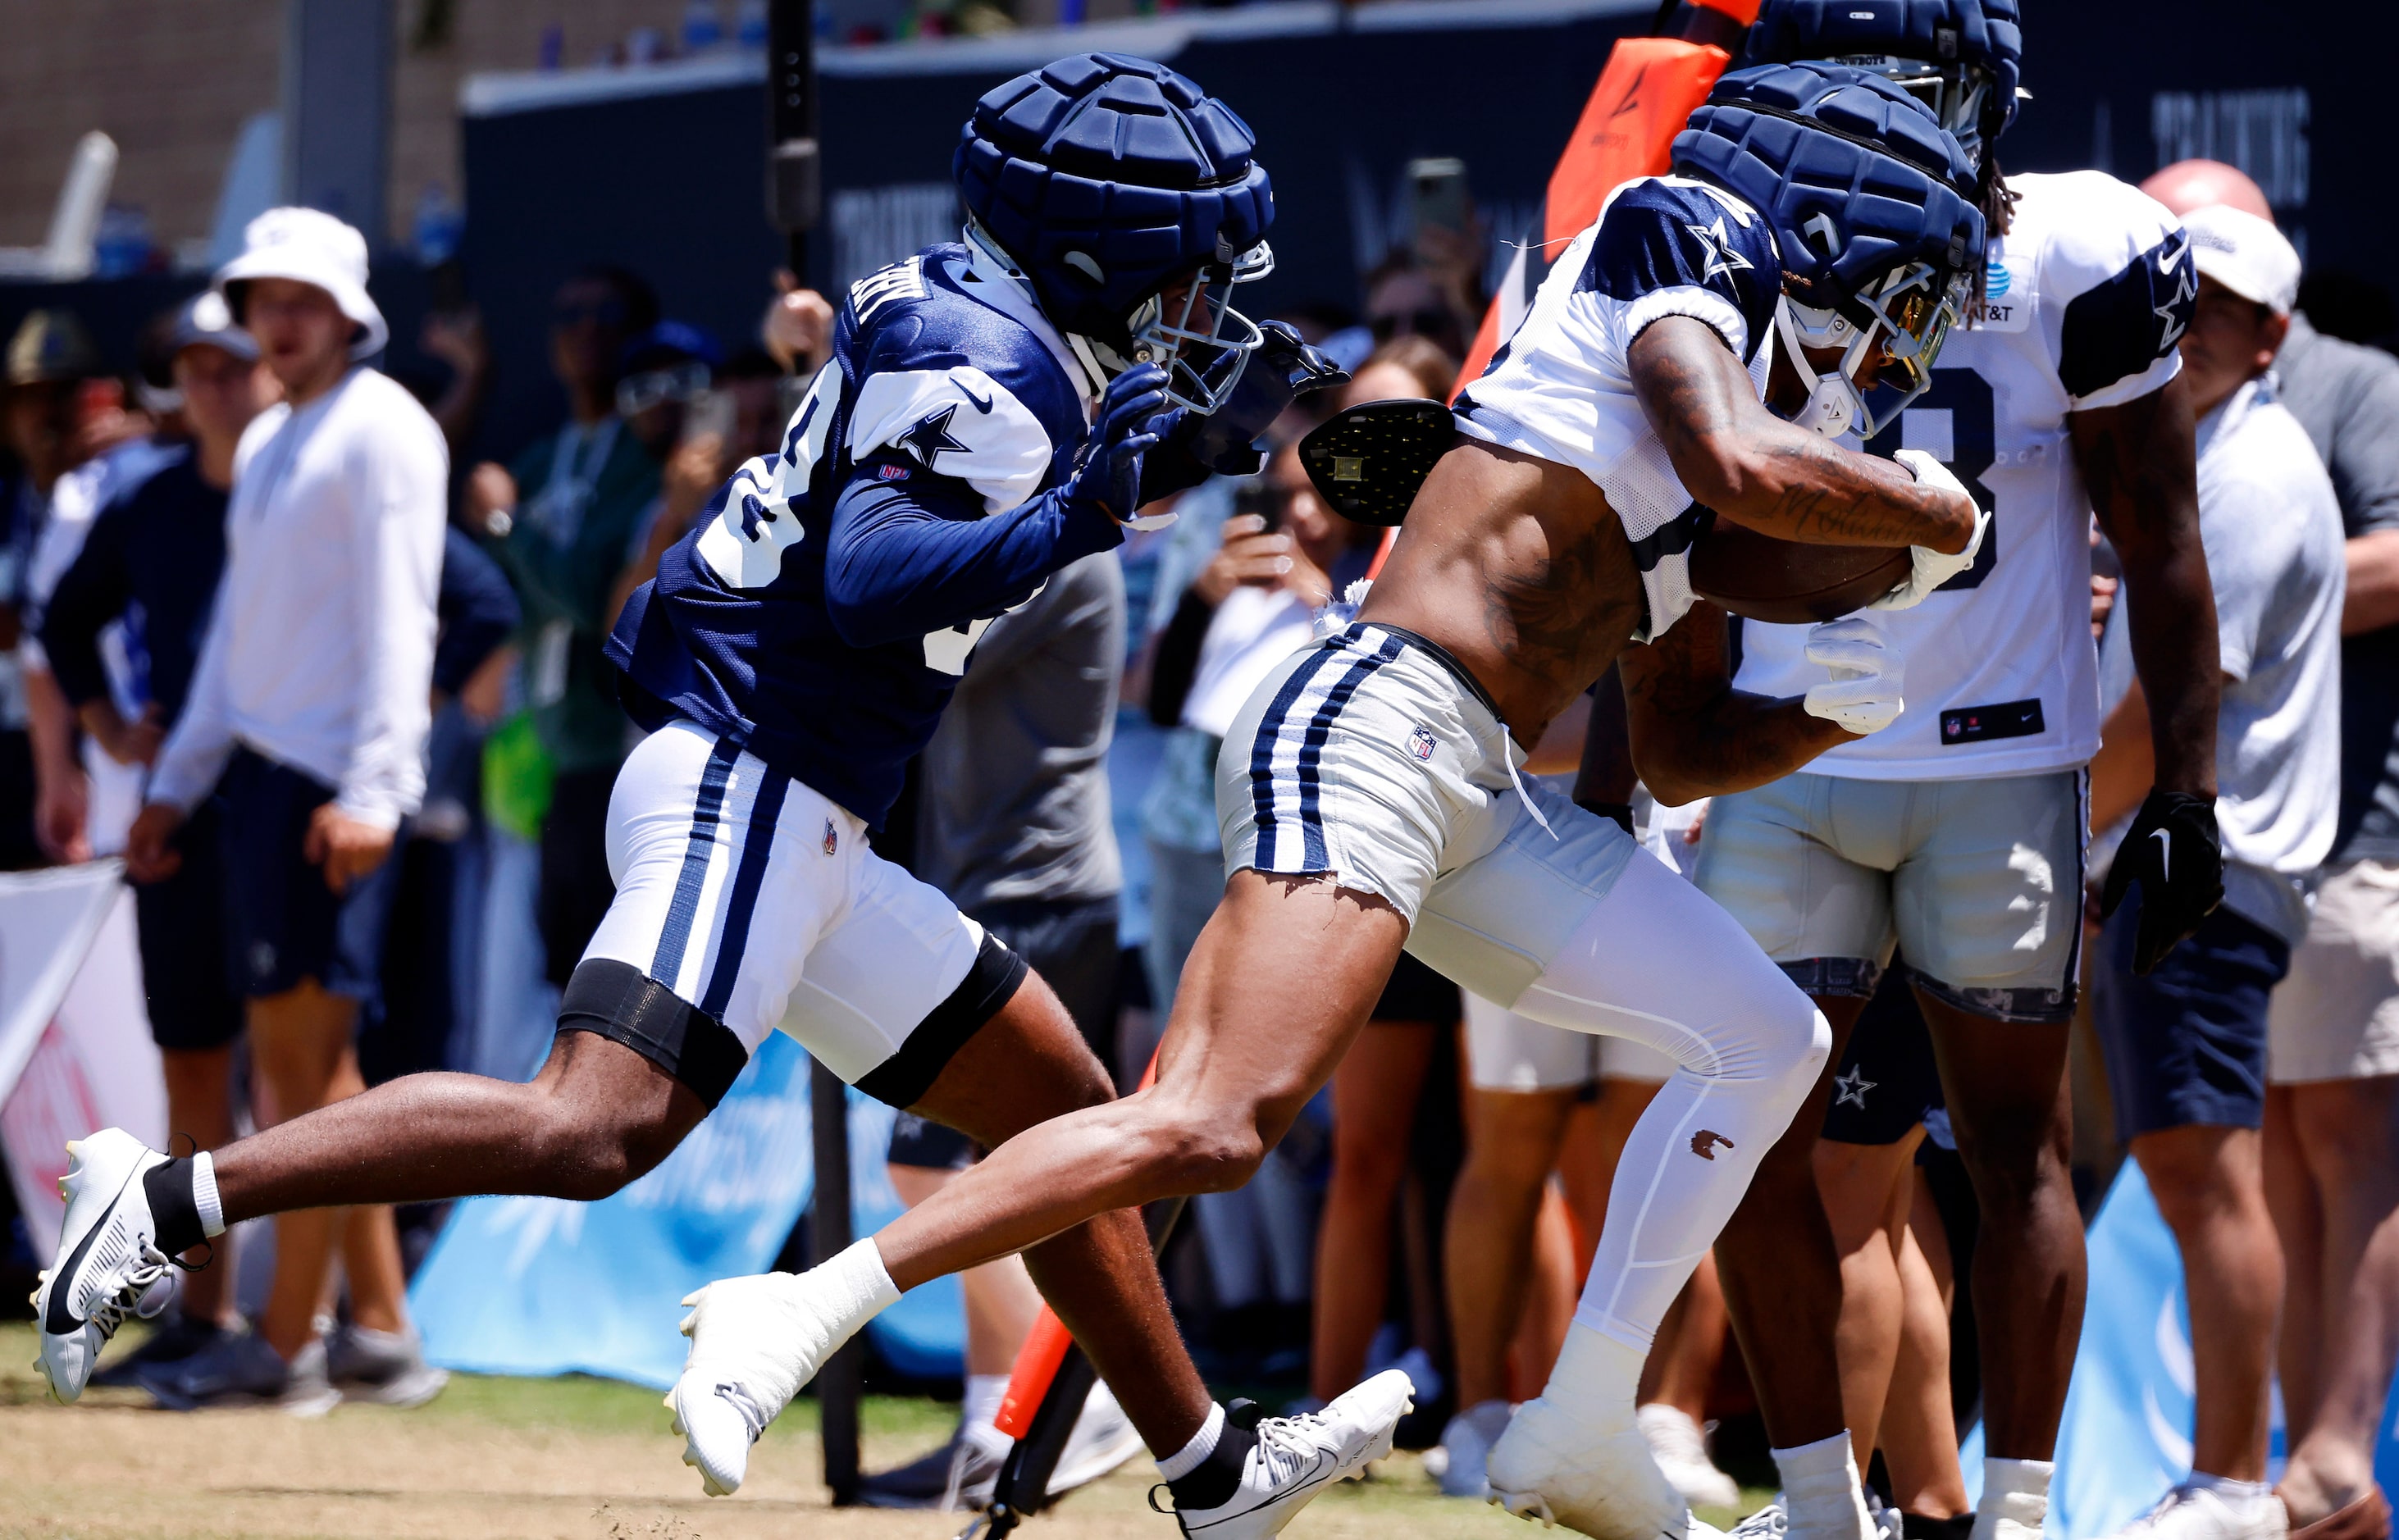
x=283 y=925
x=2186 y=1045
x=181 y=923
x=1888 y=1080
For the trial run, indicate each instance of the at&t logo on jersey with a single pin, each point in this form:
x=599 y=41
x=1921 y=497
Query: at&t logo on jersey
x=1420 y=744
x=2006 y=306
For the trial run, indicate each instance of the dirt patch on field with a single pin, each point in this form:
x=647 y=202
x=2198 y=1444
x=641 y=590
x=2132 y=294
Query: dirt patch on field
x=553 y=1460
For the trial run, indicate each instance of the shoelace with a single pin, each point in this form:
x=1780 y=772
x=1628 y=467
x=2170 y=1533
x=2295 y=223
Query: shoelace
x=127 y=1301
x=1767 y=1523
x=752 y=1414
x=1286 y=1443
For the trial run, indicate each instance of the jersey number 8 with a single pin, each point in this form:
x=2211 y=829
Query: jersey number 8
x=1961 y=399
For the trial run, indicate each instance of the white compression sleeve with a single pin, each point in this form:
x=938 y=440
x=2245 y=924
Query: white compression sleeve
x=1656 y=962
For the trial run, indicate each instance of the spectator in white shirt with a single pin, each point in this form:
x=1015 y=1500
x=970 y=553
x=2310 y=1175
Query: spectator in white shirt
x=2186 y=1043
x=308 y=715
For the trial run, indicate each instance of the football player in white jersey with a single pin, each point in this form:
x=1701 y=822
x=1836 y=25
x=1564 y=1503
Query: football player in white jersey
x=1370 y=794
x=1957 y=832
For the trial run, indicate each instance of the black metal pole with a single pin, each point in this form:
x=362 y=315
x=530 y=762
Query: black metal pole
x=839 y=1382
x=794 y=200
x=1023 y=1487
x=795 y=191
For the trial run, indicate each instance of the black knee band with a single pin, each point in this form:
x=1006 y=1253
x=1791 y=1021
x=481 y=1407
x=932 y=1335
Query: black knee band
x=618 y=1002
x=902 y=1079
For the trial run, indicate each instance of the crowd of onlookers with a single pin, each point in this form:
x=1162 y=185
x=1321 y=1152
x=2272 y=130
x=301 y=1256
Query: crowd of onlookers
x=335 y=690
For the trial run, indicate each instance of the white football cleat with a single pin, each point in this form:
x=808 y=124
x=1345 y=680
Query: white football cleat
x=1681 y=1448
x=754 y=1343
x=108 y=1263
x=1298 y=1457
x=2200 y=1513
x=1554 y=1467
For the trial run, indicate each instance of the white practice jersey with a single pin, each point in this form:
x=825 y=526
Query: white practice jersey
x=2086 y=297
x=1561 y=390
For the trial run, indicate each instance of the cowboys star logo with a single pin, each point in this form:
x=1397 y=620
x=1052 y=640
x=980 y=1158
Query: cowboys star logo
x=1716 y=249
x=1852 y=1088
x=932 y=436
x=2174 y=312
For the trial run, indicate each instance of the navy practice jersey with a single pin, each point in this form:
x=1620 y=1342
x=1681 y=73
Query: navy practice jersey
x=824 y=606
x=1562 y=389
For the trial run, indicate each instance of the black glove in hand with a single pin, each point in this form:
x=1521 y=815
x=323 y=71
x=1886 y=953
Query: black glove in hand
x=1131 y=417
x=1282 y=368
x=2172 y=851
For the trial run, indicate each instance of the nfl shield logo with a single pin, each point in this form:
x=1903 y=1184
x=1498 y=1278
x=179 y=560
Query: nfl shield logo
x=831 y=840
x=1420 y=744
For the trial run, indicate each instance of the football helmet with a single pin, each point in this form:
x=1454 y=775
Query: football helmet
x=1872 y=206
x=1132 y=204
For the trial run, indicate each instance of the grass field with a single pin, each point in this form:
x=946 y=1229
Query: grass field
x=575 y=1459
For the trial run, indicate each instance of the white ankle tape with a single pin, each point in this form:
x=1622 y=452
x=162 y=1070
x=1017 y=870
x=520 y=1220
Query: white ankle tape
x=867 y=1285
x=1596 y=1379
x=204 y=1195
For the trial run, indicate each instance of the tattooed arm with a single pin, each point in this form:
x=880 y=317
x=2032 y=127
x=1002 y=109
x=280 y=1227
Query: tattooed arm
x=2137 y=460
x=1754 y=469
x=1693 y=735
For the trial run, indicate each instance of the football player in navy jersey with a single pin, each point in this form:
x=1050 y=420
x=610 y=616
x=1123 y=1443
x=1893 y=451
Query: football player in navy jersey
x=1957 y=833
x=1369 y=789
x=996 y=408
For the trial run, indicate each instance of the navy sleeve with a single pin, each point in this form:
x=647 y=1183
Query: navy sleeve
x=2122 y=326
x=93 y=592
x=908 y=552
x=477 y=610
x=1655 y=237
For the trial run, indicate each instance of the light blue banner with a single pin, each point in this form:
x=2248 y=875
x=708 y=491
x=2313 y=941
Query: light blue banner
x=540 y=1286
x=2125 y=1437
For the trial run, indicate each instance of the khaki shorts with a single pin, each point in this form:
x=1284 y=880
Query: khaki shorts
x=1978 y=882
x=2336 y=1016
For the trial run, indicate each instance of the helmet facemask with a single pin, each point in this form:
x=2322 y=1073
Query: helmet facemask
x=1197 y=336
x=1956 y=93
x=1898 y=325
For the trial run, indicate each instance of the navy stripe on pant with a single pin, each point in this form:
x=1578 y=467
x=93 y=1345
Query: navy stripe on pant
x=757 y=846
x=707 y=808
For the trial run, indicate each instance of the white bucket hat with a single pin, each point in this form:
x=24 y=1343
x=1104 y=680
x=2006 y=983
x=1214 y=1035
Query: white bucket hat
x=2245 y=254
x=308 y=245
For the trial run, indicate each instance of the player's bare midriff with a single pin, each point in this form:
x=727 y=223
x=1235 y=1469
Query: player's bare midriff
x=1520 y=569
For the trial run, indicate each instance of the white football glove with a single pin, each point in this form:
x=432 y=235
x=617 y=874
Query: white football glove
x=1863 y=694
x=1932 y=568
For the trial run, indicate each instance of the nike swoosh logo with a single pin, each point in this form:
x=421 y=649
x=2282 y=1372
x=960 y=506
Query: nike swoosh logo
x=58 y=1320
x=981 y=403
x=1317 y=1477
x=2165 y=853
x=2172 y=254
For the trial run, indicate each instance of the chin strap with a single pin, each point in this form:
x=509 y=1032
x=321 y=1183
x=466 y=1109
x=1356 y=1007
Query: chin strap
x=1832 y=401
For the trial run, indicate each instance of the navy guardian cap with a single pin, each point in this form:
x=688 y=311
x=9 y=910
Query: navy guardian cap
x=1107 y=179
x=1872 y=206
x=1961 y=58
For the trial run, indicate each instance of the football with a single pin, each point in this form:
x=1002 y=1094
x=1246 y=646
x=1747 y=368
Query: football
x=1787 y=582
